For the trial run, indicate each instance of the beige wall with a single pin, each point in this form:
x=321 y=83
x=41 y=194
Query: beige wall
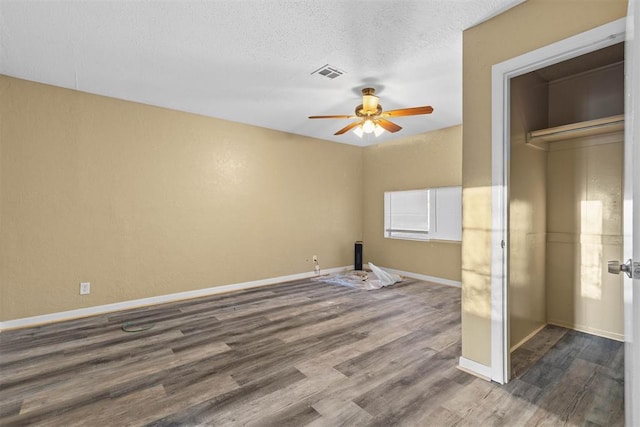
x=143 y=201
x=527 y=213
x=584 y=231
x=533 y=24
x=423 y=161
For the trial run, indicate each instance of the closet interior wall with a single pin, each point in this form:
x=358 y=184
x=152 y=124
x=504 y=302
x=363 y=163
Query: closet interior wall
x=527 y=211
x=584 y=206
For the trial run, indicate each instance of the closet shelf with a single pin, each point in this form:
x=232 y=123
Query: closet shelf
x=577 y=130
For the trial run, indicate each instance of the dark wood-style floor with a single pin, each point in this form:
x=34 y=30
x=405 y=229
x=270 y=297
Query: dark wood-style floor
x=298 y=353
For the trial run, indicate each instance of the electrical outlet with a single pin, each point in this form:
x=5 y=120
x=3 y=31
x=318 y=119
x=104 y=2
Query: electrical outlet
x=85 y=288
x=315 y=258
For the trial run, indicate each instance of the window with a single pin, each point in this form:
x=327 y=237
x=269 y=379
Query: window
x=406 y=214
x=432 y=213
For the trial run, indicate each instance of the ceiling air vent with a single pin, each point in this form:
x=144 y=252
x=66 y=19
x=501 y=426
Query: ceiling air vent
x=329 y=71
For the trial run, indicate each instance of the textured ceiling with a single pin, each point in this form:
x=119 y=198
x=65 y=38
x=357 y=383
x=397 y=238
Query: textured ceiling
x=252 y=61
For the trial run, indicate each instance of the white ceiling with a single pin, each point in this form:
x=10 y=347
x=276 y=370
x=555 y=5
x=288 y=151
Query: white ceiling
x=251 y=61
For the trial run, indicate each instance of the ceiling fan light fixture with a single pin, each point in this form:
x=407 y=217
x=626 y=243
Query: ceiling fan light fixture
x=368 y=126
x=378 y=130
x=358 y=131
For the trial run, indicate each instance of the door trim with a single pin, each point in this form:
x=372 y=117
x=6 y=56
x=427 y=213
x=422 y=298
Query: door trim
x=501 y=74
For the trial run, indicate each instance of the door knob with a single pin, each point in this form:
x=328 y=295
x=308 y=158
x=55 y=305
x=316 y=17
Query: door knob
x=614 y=267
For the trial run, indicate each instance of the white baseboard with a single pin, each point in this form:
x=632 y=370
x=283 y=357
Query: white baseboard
x=587 y=329
x=424 y=277
x=474 y=368
x=160 y=299
x=527 y=338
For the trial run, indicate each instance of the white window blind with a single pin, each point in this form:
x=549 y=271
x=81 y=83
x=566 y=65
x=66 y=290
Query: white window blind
x=407 y=214
x=446 y=212
x=426 y=214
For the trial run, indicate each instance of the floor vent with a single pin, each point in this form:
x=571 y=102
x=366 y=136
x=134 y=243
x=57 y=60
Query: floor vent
x=329 y=71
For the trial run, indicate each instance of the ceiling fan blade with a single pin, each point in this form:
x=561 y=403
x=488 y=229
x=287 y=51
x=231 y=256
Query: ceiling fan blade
x=333 y=117
x=347 y=128
x=427 y=109
x=389 y=126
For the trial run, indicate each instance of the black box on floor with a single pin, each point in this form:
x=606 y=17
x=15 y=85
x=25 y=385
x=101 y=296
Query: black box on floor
x=358 y=256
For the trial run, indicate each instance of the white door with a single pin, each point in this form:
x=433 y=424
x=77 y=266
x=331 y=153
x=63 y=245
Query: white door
x=631 y=264
x=632 y=212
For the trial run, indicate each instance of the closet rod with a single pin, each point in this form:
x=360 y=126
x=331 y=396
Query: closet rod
x=576 y=130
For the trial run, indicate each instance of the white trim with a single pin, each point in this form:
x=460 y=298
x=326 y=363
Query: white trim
x=474 y=368
x=424 y=277
x=527 y=338
x=160 y=299
x=499 y=198
x=587 y=329
x=597 y=38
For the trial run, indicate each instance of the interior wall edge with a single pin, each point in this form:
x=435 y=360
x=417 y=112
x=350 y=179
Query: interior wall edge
x=160 y=299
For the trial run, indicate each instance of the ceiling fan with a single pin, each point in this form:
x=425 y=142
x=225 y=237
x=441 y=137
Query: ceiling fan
x=371 y=118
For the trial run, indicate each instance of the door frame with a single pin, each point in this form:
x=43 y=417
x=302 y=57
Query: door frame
x=501 y=74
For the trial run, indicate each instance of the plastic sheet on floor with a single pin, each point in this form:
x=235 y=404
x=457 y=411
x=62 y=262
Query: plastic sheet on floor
x=377 y=278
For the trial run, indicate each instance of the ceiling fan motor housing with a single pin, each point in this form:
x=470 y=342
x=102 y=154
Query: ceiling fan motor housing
x=362 y=112
x=369 y=105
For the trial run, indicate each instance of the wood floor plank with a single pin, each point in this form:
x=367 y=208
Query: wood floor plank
x=387 y=353
x=339 y=412
x=267 y=407
x=396 y=398
x=294 y=415
x=103 y=412
x=233 y=401
x=175 y=400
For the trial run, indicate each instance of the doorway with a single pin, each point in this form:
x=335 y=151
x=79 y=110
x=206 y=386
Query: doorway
x=589 y=41
x=596 y=38
x=565 y=203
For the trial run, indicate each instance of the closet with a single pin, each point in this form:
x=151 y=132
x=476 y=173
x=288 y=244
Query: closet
x=565 y=197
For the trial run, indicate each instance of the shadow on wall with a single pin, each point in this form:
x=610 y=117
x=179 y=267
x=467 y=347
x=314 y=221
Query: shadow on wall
x=589 y=279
